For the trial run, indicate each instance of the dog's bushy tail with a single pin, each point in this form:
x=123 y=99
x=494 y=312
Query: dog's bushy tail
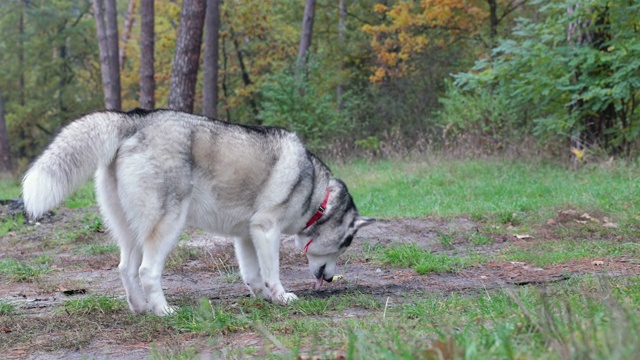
x=72 y=157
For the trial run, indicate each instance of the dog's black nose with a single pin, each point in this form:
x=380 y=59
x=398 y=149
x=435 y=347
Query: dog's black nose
x=330 y=279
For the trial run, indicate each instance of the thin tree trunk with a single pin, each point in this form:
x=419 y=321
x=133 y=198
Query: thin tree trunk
x=21 y=52
x=5 y=154
x=225 y=63
x=111 y=22
x=307 y=32
x=187 y=56
x=107 y=28
x=126 y=31
x=147 y=71
x=493 y=22
x=243 y=70
x=211 y=49
x=342 y=26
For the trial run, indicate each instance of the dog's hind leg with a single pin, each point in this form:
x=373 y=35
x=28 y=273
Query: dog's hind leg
x=130 y=251
x=250 y=267
x=157 y=244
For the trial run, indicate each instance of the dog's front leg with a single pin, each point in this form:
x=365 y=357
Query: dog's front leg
x=266 y=241
x=250 y=267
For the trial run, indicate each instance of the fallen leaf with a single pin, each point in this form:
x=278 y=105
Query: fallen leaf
x=551 y=222
x=597 y=263
x=6 y=329
x=524 y=236
x=567 y=215
x=610 y=225
x=589 y=217
x=583 y=222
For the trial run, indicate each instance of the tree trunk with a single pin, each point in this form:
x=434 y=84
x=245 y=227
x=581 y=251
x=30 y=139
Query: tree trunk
x=5 y=154
x=211 y=47
x=246 y=79
x=21 y=52
x=126 y=31
x=342 y=26
x=107 y=28
x=493 y=22
x=147 y=72
x=307 y=32
x=187 y=56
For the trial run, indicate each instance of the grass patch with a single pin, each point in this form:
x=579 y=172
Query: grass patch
x=11 y=223
x=548 y=253
x=19 y=271
x=100 y=249
x=532 y=190
x=424 y=262
x=10 y=188
x=93 y=304
x=83 y=197
x=7 y=308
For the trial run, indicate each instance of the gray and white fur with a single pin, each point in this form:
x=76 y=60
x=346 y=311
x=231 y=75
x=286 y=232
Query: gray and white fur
x=158 y=171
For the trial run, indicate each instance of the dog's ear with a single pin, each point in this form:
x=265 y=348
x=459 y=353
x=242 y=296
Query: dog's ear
x=363 y=221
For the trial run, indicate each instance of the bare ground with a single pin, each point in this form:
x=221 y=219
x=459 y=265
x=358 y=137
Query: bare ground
x=204 y=266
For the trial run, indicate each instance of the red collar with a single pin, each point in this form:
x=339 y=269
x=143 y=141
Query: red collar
x=316 y=217
x=320 y=211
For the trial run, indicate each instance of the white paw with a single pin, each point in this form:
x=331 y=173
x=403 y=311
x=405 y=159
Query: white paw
x=165 y=310
x=285 y=298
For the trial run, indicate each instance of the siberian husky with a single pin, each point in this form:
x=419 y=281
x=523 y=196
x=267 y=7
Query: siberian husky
x=157 y=171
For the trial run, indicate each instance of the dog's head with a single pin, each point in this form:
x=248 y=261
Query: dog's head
x=331 y=234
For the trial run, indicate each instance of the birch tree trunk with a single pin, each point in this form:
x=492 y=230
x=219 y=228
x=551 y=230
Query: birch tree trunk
x=187 y=56
x=107 y=28
x=211 y=50
x=147 y=70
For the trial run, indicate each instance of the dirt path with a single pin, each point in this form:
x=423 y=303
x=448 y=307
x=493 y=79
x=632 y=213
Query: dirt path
x=204 y=266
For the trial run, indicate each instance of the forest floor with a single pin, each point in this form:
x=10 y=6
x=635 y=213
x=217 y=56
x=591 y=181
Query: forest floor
x=81 y=260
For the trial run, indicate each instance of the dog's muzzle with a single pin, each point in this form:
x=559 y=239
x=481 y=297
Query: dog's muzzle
x=320 y=277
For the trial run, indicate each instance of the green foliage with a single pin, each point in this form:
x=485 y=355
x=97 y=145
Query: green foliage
x=295 y=101
x=539 y=81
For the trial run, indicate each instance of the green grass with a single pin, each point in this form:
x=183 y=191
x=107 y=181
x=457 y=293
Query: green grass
x=10 y=188
x=83 y=197
x=91 y=304
x=587 y=317
x=7 y=308
x=11 y=223
x=20 y=271
x=549 y=253
x=399 y=189
x=423 y=261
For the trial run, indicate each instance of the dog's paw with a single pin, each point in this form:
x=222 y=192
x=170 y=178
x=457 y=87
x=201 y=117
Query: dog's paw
x=165 y=310
x=285 y=298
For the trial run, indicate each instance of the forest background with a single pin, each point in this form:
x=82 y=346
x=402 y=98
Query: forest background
x=354 y=78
